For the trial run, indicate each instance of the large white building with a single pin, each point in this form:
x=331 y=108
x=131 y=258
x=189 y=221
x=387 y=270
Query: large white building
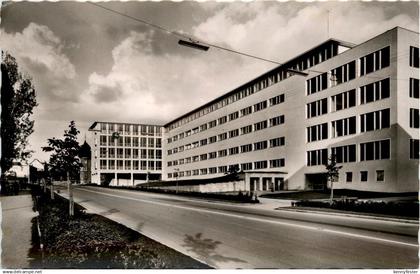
x=359 y=102
x=125 y=153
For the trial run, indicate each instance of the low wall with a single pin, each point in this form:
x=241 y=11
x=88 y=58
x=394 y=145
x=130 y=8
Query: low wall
x=234 y=186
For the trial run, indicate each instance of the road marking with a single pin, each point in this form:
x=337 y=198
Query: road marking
x=258 y=219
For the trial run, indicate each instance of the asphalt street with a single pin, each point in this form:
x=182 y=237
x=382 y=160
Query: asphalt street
x=227 y=235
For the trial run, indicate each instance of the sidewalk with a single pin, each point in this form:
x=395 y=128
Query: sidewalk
x=16 y=216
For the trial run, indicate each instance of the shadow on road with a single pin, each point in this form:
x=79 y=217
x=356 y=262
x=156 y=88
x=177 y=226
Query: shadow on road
x=206 y=249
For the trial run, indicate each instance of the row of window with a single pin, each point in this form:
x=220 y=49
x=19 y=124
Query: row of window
x=370 y=121
x=232 y=116
x=368 y=63
x=130 y=165
x=131 y=129
x=130 y=153
x=275 y=121
x=369 y=93
x=274 y=77
x=364 y=175
x=113 y=140
x=376 y=150
x=275 y=163
x=275 y=142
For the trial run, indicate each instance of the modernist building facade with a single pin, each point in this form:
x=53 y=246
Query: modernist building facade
x=358 y=102
x=125 y=153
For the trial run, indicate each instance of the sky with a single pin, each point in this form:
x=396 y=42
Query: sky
x=88 y=64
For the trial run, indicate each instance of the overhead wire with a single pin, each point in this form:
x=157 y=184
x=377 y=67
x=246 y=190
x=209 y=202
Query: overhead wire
x=184 y=36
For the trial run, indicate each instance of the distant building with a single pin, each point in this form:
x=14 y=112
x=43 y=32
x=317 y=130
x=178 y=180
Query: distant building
x=85 y=155
x=126 y=153
x=358 y=102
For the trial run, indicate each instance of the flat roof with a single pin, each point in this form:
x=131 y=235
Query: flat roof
x=121 y=123
x=284 y=66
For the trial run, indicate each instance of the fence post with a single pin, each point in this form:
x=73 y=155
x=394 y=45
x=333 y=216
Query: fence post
x=70 y=190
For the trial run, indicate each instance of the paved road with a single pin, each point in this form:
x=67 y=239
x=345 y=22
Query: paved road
x=227 y=235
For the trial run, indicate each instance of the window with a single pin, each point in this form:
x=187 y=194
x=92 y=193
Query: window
x=120 y=164
x=377 y=150
x=102 y=152
x=316 y=157
x=344 y=127
x=375 y=91
x=276 y=100
x=375 y=120
x=260 y=125
x=317 y=83
x=380 y=175
x=374 y=61
x=233 y=133
x=103 y=140
x=127 y=165
x=158 y=142
x=234 y=115
x=111 y=164
x=233 y=150
x=260 y=145
x=203 y=157
x=317 y=132
x=344 y=154
x=246 y=129
x=363 y=176
x=246 y=148
x=195 y=130
x=260 y=106
x=203 y=127
x=212 y=155
x=260 y=164
x=222 y=120
x=128 y=153
x=246 y=111
x=344 y=73
x=212 y=170
x=276 y=142
x=349 y=177
x=222 y=153
x=151 y=142
x=143 y=142
x=276 y=163
x=414 y=57
x=222 y=136
x=151 y=154
x=203 y=171
x=414 y=118
x=111 y=153
x=414 y=149
x=120 y=153
x=246 y=166
x=317 y=108
x=414 y=88
x=203 y=142
x=344 y=100
x=212 y=123
x=103 y=127
x=222 y=169
x=277 y=121
x=195 y=158
x=103 y=164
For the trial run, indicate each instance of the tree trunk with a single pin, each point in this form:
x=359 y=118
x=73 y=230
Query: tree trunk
x=332 y=191
x=70 y=190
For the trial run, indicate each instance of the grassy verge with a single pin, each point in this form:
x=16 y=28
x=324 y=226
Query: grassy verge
x=91 y=241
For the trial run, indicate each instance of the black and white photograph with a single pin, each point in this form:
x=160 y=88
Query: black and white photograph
x=224 y=135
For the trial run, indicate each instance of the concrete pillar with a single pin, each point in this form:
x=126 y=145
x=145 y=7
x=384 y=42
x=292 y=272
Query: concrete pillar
x=116 y=178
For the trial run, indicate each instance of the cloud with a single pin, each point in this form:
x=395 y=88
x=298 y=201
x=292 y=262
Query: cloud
x=143 y=85
x=38 y=46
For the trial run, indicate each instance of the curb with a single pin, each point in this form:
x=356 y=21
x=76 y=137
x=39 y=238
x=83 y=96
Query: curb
x=409 y=221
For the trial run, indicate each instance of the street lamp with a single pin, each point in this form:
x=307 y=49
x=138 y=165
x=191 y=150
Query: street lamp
x=193 y=44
